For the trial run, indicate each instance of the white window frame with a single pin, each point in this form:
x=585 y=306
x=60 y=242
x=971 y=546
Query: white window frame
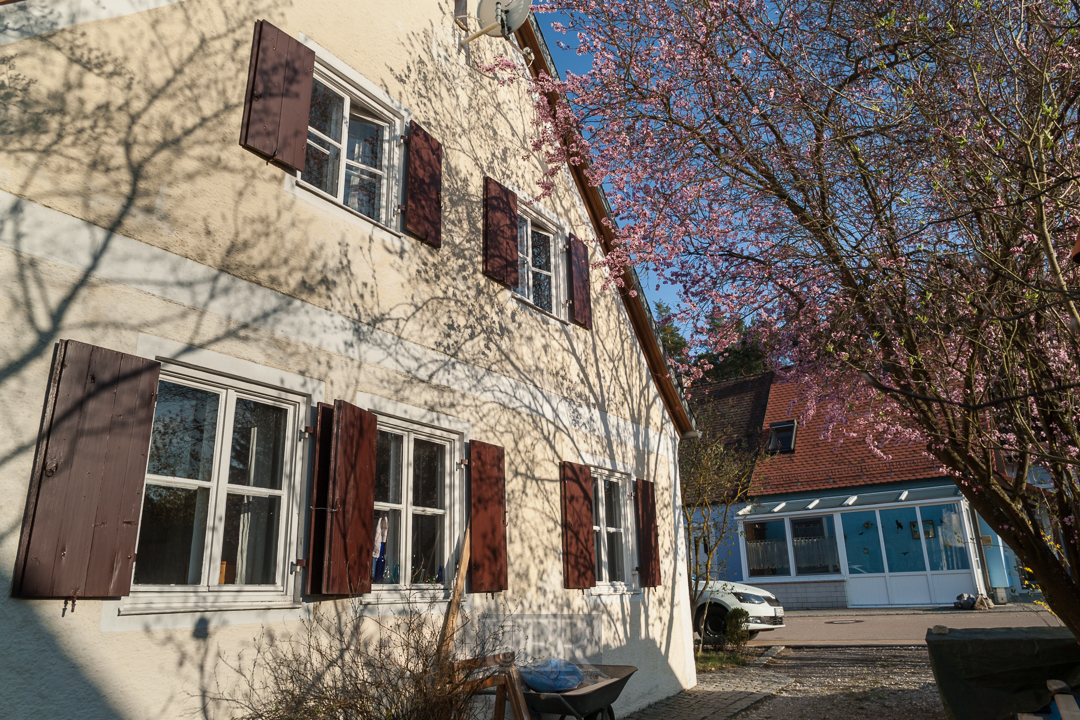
x=546 y=221
x=363 y=97
x=454 y=432
x=628 y=530
x=202 y=368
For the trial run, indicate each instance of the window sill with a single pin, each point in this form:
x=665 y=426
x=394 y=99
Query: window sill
x=610 y=590
x=545 y=315
x=160 y=608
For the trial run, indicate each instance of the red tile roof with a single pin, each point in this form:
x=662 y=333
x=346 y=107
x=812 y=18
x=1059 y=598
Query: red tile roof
x=823 y=464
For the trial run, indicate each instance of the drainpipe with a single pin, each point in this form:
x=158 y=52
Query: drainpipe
x=974 y=519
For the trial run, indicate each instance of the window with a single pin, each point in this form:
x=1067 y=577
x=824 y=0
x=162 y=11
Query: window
x=861 y=542
x=412 y=477
x=814 y=542
x=782 y=437
x=766 y=548
x=611 y=504
x=220 y=482
x=536 y=264
x=352 y=151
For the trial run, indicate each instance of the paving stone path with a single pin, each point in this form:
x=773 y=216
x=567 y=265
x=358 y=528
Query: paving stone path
x=719 y=694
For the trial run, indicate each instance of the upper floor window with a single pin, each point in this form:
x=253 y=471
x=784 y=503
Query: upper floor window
x=536 y=265
x=782 y=436
x=352 y=153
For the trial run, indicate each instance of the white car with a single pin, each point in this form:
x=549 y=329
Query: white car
x=765 y=611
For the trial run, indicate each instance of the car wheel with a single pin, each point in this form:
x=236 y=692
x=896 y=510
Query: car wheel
x=753 y=634
x=713 y=631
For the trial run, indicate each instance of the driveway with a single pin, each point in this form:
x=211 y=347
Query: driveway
x=893 y=626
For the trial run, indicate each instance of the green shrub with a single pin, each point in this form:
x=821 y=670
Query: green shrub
x=736 y=631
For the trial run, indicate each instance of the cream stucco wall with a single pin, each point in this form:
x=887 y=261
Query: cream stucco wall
x=128 y=210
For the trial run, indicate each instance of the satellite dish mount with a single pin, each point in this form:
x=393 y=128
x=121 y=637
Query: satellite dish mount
x=500 y=18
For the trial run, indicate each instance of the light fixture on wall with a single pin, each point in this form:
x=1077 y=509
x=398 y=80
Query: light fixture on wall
x=500 y=18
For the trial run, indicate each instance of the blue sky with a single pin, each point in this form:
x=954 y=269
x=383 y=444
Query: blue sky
x=569 y=60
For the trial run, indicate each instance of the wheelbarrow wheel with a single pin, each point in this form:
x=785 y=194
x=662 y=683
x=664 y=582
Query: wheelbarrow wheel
x=607 y=713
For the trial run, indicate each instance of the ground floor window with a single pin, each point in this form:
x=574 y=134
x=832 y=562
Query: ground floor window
x=611 y=522
x=412 y=477
x=766 y=548
x=220 y=474
x=814 y=543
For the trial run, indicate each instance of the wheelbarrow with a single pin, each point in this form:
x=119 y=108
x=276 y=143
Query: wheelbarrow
x=588 y=702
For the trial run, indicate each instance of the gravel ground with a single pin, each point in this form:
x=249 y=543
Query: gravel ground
x=884 y=683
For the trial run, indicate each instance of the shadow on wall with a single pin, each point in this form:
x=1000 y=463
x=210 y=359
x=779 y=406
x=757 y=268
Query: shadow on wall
x=134 y=166
x=39 y=677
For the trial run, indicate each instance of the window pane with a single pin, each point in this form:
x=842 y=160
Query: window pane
x=523 y=257
x=365 y=142
x=171 y=536
x=615 y=556
x=612 y=504
x=249 y=547
x=386 y=565
x=427 y=549
x=363 y=192
x=429 y=462
x=321 y=165
x=780 y=439
x=327 y=108
x=388 y=454
x=596 y=500
x=861 y=543
x=258 y=445
x=599 y=554
x=766 y=548
x=944 y=534
x=814 y=542
x=542 y=291
x=185 y=424
x=903 y=548
x=541 y=251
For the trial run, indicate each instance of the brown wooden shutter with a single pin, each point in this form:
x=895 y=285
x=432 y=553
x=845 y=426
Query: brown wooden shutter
x=487 y=505
x=82 y=509
x=423 y=186
x=647 y=535
x=343 y=501
x=277 y=101
x=580 y=295
x=579 y=548
x=500 y=233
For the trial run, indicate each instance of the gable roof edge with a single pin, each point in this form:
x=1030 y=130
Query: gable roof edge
x=633 y=296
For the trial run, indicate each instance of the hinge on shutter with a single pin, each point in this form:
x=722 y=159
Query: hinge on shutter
x=463 y=462
x=403 y=138
x=399 y=209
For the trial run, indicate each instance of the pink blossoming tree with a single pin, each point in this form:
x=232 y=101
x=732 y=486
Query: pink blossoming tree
x=887 y=192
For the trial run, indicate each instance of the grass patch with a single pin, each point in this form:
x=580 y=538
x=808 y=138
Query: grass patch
x=710 y=660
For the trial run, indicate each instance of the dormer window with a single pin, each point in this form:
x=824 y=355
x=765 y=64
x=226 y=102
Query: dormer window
x=782 y=436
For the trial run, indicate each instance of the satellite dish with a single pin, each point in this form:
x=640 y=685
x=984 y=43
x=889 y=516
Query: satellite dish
x=514 y=14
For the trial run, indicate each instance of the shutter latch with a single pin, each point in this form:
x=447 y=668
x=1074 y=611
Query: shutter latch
x=463 y=462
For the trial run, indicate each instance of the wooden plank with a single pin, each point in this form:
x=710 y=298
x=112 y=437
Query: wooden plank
x=295 y=105
x=487 y=517
x=446 y=636
x=115 y=528
x=318 y=527
x=1067 y=707
x=517 y=697
x=579 y=550
x=352 y=501
x=423 y=193
x=580 y=289
x=44 y=429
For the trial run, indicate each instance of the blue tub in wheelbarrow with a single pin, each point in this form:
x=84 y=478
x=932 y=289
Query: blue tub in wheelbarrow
x=588 y=702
